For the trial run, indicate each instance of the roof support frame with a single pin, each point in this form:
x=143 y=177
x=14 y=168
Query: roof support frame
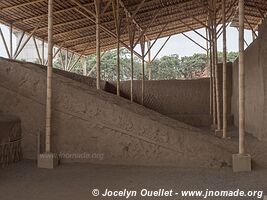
x=164 y=44
x=194 y=41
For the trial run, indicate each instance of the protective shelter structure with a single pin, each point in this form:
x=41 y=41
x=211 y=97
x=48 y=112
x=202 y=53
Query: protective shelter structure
x=85 y=27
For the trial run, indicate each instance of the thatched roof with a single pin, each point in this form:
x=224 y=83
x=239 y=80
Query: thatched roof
x=74 y=19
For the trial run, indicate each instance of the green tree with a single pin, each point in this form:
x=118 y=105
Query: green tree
x=164 y=68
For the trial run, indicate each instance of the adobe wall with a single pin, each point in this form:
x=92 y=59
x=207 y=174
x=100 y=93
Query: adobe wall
x=185 y=100
x=255 y=86
x=87 y=120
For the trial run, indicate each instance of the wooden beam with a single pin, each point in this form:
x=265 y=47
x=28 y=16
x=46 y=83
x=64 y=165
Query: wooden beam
x=94 y=67
x=19 y=43
x=84 y=8
x=163 y=28
x=252 y=29
x=138 y=8
x=193 y=30
x=21 y=5
x=143 y=32
x=79 y=58
x=161 y=48
x=29 y=37
x=106 y=7
x=194 y=41
x=131 y=16
x=37 y=50
x=110 y=33
x=4 y=41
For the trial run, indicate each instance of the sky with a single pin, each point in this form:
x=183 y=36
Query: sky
x=178 y=44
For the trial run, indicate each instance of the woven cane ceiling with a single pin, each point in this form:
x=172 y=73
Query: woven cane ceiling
x=74 y=20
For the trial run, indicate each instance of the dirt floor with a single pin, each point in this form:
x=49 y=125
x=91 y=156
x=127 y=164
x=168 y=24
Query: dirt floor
x=76 y=181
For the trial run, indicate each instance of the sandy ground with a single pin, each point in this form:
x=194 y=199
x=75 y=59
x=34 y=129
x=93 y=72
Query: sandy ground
x=76 y=181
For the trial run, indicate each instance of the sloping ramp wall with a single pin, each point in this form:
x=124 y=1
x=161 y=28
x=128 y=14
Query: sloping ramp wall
x=89 y=121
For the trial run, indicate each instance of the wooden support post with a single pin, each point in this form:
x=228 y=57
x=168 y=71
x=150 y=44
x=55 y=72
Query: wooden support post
x=149 y=61
x=37 y=50
x=116 y=13
x=98 y=50
x=66 y=59
x=11 y=40
x=242 y=161
x=61 y=60
x=217 y=84
x=43 y=53
x=213 y=61
x=241 y=79
x=142 y=45
x=70 y=61
x=209 y=64
x=225 y=102
x=49 y=78
x=131 y=30
x=84 y=67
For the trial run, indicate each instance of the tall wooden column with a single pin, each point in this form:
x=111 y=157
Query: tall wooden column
x=98 y=62
x=225 y=103
x=49 y=78
x=241 y=161
x=241 y=80
x=149 y=60
x=131 y=32
x=11 y=40
x=213 y=62
x=217 y=86
x=142 y=44
x=84 y=66
x=209 y=64
x=116 y=13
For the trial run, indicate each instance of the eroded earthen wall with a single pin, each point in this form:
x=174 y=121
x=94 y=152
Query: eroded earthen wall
x=91 y=121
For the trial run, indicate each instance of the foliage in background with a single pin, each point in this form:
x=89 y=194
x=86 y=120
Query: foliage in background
x=166 y=67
